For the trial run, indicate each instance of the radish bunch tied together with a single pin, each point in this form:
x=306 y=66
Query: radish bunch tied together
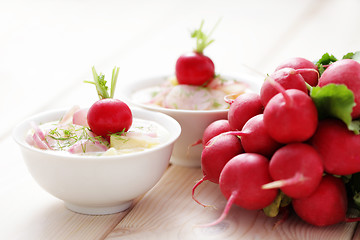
x=296 y=145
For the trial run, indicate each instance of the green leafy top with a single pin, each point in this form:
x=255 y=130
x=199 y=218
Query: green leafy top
x=280 y=201
x=100 y=83
x=352 y=55
x=335 y=100
x=202 y=40
x=327 y=59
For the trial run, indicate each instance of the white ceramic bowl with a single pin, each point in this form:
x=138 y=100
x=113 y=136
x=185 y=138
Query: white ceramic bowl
x=92 y=184
x=193 y=122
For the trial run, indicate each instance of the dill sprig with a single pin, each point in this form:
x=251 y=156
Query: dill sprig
x=67 y=137
x=120 y=135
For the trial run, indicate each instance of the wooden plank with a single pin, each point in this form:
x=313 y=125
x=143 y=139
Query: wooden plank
x=169 y=212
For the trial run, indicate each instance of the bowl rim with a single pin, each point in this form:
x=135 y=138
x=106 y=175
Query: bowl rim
x=129 y=88
x=19 y=134
x=178 y=111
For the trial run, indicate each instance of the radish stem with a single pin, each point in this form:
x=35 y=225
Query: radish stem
x=298 y=177
x=230 y=98
x=100 y=83
x=193 y=192
x=202 y=40
x=229 y=203
x=349 y=220
x=281 y=89
x=305 y=70
x=237 y=133
x=114 y=77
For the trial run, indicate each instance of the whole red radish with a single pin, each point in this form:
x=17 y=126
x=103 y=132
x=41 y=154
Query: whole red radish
x=339 y=147
x=307 y=69
x=242 y=178
x=195 y=68
x=241 y=181
x=108 y=115
x=347 y=72
x=290 y=116
x=296 y=169
x=216 y=153
x=215 y=128
x=244 y=107
x=255 y=138
x=326 y=206
x=288 y=78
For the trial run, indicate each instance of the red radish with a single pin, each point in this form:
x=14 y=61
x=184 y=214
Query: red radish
x=216 y=153
x=108 y=115
x=214 y=129
x=290 y=116
x=255 y=138
x=195 y=68
x=307 y=69
x=288 y=78
x=297 y=169
x=326 y=206
x=241 y=181
x=243 y=108
x=339 y=147
x=347 y=72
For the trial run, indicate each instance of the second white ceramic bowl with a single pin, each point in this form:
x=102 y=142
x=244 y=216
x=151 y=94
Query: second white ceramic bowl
x=193 y=122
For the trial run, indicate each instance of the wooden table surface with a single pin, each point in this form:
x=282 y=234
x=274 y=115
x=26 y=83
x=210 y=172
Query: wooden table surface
x=47 y=49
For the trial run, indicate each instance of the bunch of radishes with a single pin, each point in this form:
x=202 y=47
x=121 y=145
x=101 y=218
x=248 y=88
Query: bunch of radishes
x=294 y=144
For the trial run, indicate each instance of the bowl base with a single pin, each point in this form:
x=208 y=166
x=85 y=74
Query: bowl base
x=93 y=210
